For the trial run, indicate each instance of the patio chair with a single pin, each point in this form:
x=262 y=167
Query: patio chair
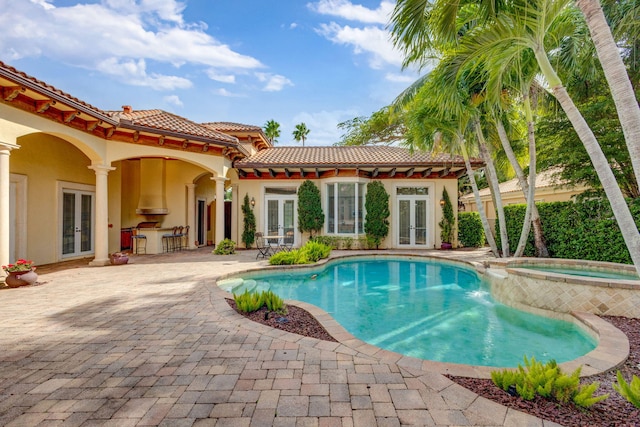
x=263 y=248
x=287 y=242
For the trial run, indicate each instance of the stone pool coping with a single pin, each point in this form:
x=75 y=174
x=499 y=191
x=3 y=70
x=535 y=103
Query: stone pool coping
x=611 y=352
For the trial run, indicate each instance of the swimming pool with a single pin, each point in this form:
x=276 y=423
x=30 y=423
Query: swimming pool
x=429 y=309
x=583 y=272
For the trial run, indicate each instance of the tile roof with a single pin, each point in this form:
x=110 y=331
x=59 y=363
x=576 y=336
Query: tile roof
x=10 y=73
x=232 y=127
x=361 y=156
x=163 y=121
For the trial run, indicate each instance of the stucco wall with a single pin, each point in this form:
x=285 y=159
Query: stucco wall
x=256 y=189
x=46 y=161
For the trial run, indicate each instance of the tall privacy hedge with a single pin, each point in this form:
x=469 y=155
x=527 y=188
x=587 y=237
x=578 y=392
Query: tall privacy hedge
x=586 y=230
x=470 y=232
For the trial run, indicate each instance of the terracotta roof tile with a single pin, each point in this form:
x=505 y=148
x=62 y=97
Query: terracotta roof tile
x=162 y=120
x=11 y=73
x=232 y=127
x=361 y=156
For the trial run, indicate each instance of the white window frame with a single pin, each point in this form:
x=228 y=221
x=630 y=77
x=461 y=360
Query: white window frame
x=335 y=183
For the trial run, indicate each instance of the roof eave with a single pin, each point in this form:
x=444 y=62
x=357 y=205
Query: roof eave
x=23 y=81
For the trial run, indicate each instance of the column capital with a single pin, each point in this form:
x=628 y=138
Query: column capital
x=6 y=146
x=191 y=185
x=101 y=169
x=219 y=179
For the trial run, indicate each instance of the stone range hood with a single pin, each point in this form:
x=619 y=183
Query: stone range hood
x=153 y=176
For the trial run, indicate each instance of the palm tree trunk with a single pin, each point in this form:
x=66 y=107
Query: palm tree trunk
x=526 y=225
x=488 y=232
x=538 y=234
x=619 y=206
x=495 y=187
x=617 y=78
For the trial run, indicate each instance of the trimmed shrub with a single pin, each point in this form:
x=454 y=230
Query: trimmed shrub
x=376 y=204
x=586 y=230
x=225 y=247
x=249 y=232
x=310 y=215
x=470 y=232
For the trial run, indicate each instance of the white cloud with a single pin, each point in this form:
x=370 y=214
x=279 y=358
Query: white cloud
x=173 y=99
x=274 y=82
x=371 y=40
x=354 y=12
x=135 y=73
x=222 y=78
x=224 y=92
x=123 y=31
x=400 y=78
x=293 y=26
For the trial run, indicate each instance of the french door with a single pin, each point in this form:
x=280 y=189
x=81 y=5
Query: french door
x=281 y=215
x=77 y=222
x=412 y=221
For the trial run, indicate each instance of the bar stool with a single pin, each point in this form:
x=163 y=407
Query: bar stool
x=178 y=238
x=185 y=237
x=139 y=241
x=168 y=240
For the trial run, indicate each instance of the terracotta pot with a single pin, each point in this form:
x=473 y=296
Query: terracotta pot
x=21 y=278
x=118 y=260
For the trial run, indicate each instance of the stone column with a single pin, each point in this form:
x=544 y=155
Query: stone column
x=101 y=248
x=235 y=225
x=191 y=215
x=5 y=152
x=219 y=230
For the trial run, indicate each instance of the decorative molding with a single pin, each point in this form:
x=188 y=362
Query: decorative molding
x=11 y=92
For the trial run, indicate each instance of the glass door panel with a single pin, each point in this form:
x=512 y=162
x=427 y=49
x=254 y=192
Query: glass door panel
x=77 y=223
x=273 y=213
x=412 y=220
x=68 y=223
x=287 y=217
x=420 y=220
x=404 y=222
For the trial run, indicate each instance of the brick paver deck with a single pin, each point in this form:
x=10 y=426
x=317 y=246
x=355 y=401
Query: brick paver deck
x=152 y=343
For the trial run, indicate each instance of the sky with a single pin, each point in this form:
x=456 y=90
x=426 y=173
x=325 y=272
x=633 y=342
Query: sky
x=319 y=62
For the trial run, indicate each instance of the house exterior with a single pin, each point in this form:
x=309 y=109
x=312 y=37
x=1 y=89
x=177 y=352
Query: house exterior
x=548 y=189
x=75 y=179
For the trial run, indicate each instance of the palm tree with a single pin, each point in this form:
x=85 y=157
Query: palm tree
x=616 y=74
x=272 y=130
x=300 y=133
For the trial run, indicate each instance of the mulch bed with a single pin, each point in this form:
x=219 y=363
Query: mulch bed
x=298 y=321
x=612 y=412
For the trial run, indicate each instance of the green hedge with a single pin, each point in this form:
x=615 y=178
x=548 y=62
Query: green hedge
x=586 y=230
x=470 y=232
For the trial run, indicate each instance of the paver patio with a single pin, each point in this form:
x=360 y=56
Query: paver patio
x=154 y=343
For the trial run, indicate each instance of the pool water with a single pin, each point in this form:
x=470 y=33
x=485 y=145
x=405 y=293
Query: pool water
x=584 y=272
x=427 y=309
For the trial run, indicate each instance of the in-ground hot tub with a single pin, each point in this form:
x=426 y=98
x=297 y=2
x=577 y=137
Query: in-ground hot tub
x=566 y=286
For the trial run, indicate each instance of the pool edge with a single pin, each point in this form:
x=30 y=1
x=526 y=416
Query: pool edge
x=606 y=356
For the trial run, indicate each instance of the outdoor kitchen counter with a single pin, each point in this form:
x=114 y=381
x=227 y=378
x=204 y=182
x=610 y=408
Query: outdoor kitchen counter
x=154 y=238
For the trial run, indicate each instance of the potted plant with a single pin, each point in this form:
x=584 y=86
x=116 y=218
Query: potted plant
x=118 y=258
x=21 y=273
x=448 y=222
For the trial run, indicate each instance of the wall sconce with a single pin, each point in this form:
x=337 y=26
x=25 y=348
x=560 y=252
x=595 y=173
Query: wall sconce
x=442 y=202
x=253 y=202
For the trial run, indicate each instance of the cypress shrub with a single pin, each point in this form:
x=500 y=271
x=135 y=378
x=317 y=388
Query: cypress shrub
x=249 y=233
x=376 y=204
x=310 y=215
